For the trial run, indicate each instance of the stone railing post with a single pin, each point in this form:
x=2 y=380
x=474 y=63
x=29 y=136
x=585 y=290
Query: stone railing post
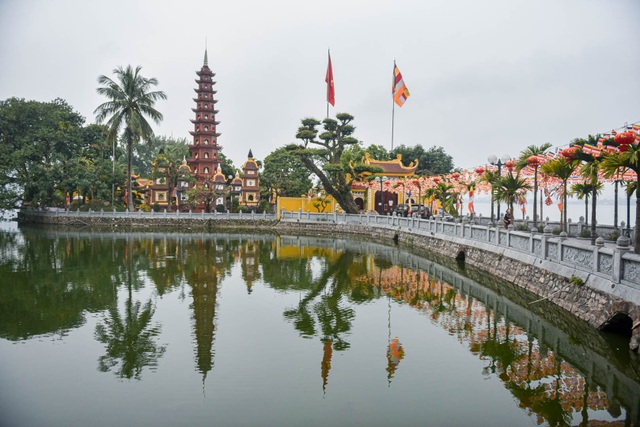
x=563 y=236
x=622 y=246
x=299 y=214
x=596 y=253
x=547 y=233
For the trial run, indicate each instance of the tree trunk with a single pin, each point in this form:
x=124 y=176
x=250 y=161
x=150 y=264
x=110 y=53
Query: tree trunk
x=593 y=215
x=129 y=139
x=615 y=205
x=636 y=233
x=342 y=196
x=586 y=210
x=535 y=196
x=563 y=214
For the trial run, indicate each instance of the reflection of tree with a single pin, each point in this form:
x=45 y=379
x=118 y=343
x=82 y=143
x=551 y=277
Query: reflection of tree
x=334 y=320
x=550 y=389
x=130 y=340
x=49 y=283
x=320 y=311
x=165 y=268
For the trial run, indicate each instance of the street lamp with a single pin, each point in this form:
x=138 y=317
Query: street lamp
x=494 y=160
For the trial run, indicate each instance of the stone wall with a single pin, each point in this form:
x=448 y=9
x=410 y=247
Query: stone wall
x=157 y=222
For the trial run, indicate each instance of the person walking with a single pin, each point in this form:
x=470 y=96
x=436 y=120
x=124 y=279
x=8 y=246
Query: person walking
x=508 y=218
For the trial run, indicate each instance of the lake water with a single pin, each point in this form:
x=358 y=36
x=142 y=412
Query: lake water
x=605 y=212
x=262 y=330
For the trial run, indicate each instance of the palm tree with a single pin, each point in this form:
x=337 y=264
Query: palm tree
x=583 y=190
x=523 y=162
x=443 y=191
x=130 y=100
x=492 y=178
x=561 y=168
x=629 y=159
x=589 y=172
x=511 y=188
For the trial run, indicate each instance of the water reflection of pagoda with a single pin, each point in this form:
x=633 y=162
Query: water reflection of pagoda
x=249 y=264
x=203 y=277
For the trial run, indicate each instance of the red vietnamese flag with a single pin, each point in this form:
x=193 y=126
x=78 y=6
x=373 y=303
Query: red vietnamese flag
x=331 y=91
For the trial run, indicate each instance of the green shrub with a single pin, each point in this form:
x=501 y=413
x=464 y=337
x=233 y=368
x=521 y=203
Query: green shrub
x=613 y=235
x=576 y=280
x=243 y=209
x=220 y=208
x=585 y=233
x=556 y=231
x=522 y=227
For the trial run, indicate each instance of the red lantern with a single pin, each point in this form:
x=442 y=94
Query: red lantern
x=416 y=182
x=436 y=179
x=509 y=165
x=624 y=138
x=479 y=170
x=534 y=161
x=623 y=148
x=569 y=152
x=455 y=175
x=548 y=201
x=614 y=133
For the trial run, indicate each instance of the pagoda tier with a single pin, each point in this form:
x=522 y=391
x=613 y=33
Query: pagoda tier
x=205 y=98
x=204 y=160
x=205 y=120
x=204 y=133
x=202 y=90
x=204 y=110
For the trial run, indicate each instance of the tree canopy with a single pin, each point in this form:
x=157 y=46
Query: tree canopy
x=326 y=162
x=434 y=161
x=38 y=141
x=284 y=175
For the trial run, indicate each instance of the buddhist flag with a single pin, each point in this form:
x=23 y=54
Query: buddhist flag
x=400 y=91
x=470 y=206
x=331 y=90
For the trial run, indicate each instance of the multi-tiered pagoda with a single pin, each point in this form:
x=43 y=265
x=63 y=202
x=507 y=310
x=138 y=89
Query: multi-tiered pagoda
x=204 y=160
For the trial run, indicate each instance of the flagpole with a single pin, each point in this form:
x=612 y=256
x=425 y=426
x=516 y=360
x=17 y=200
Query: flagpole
x=393 y=103
x=393 y=118
x=329 y=80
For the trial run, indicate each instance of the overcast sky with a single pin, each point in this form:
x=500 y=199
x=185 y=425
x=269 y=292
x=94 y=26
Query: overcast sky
x=485 y=77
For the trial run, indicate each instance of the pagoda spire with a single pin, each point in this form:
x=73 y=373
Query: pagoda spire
x=206 y=60
x=250 y=154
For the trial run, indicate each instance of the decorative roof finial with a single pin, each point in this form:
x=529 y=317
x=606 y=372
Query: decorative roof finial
x=206 y=60
x=250 y=154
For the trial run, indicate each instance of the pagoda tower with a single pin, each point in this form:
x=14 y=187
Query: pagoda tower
x=250 y=182
x=204 y=150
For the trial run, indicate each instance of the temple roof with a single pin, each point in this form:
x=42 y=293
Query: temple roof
x=392 y=167
x=237 y=180
x=219 y=176
x=250 y=164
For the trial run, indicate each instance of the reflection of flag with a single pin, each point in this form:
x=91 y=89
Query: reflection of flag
x=400 y=91
x=331 y=90
x=395 y=354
